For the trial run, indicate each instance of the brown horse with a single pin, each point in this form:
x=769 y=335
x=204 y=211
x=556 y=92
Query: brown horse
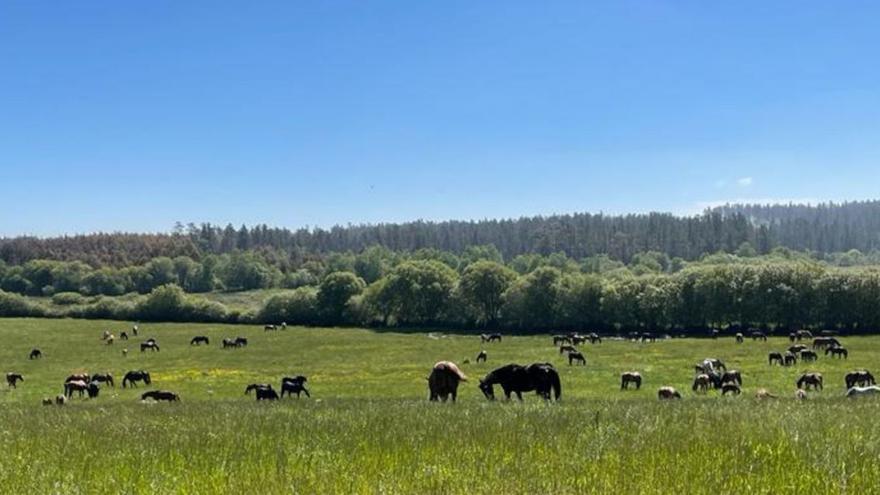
x=13 y=378
x=576 y=356
x=630 y=377
x=702 y=383
x=667 y=393
x=808 y=380
x=774 y=357
x=443 y=381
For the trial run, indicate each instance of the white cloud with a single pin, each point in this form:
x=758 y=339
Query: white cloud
x=744 y=182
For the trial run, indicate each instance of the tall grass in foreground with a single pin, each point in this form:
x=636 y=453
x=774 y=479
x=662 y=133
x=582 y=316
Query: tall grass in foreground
x=369 y=428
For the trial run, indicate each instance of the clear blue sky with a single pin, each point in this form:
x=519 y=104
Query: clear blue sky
x=134 y=115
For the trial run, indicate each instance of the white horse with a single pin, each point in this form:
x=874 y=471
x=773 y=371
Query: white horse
x=860 y=391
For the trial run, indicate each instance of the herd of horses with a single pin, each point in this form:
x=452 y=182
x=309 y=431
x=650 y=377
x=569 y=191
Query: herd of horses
x=711 y=373
x=542 y=378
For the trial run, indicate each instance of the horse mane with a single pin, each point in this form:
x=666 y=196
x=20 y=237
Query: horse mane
x=450 y=366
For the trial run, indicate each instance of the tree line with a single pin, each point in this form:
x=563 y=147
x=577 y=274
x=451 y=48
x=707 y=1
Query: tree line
x=824 y=229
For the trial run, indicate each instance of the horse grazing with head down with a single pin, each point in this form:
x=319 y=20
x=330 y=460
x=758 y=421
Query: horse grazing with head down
x=150 y=344
x=482 y=356
x=774 y=357
x=35 y=354
x=490 y=337
x=576 y=356
x=837 y=351
x=443 y=381
x=630 y=377
x=513 y=378
x=808 y=380
x=264 y=391
x=859 y=377
x=808 y=356
x=667 y=393
x=199 y=339
x=730 y=388
x=103 y=378
x=160 y=395
x=132 y=377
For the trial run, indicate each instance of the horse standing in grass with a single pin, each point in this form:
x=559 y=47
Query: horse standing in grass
x=513 y=378
x=443 y=381
x=774 y=357
x=491 y=337
x=567 y=348
x=482 y=356
x=859 y=377
x=739 y=338
x=103 y=378
x=630 y=377
x=35 y=354
x=241 y=341
x=295 y=385
x=730 y=388
x=132 y=377
x=667 y=393
x=732 y=376
x=576 y=356
x=152 y=345
x=789 y=359
x=12 y=379
x=199 y=339
x=701 y=383
x=809 y=356
x=808 y=380
x=837 y=352
x=561 y=339
x=255 y=386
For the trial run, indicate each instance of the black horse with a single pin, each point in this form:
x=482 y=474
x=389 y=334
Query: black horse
x=35 y=354
x=230 y=344
x=241 y=341
x=264 y=391
x=255 y=386
x=492 y=337
x=576 y=356
x=103 y=378
x=482 y=356
x=150 y=344
x=199 y=339
x=294 y=385
x=159 y=395
x=513 y=378
x=123 y=336
x=132 y=377
x=13 y=378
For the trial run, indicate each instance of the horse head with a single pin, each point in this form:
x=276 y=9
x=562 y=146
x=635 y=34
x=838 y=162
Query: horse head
x=487 y=389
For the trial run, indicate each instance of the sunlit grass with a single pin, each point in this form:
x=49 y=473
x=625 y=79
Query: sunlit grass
x=369 y=427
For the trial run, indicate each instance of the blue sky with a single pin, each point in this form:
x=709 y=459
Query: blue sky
x=133 y=115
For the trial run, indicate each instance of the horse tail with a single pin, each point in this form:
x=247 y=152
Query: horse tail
x=556 y=385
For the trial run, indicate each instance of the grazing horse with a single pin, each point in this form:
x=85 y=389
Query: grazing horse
x=106 y=335
x=774 y=356
x=482 y=356
x=732 y=376
x=241 y=341
x=152 y=345
x=103 y=378
x=758 y=336
x=730 y=388
x=81 y=387
x=810 y=379
x=199 y=339
x=561 y=339
x=576 y=356
x=47 y=401
x=132 y=377
x=491 y=337
x=443 y=381
x=159 y=395
x=267 y=393
x=630 y=377
x=270 y=328
x=567 y=348
x=594 y=338
x=796 y=349
x=255 y=386
x=739 y=338
x=13 y=378
x=792 y=337
x=648 y=337
x=83 y=377
x=715 y=364
x=579 y=339
x=807 y=356
x=823 y=342
x=667 y=393
x=701 y=383
x=230 y=343
x=296 y=385
x=859 y=377
x=789 y=359
x=804 y=334
x=513 y=378
x=863 y=391
x=837 y=351
x=35 y=354
x=123 y=336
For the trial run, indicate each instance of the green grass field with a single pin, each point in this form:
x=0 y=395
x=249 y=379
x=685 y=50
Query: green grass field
x=370 y=429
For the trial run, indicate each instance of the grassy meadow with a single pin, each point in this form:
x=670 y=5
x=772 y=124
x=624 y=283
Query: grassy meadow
x=369 y=428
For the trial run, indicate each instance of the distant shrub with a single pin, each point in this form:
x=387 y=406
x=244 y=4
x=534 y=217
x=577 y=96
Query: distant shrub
x=105 y=308
x=68 y=298
x=170 y=303
x=16 y=305
x=299 y=306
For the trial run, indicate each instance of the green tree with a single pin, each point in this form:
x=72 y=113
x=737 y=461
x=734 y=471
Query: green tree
x=482 y=285
x=334 y=292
